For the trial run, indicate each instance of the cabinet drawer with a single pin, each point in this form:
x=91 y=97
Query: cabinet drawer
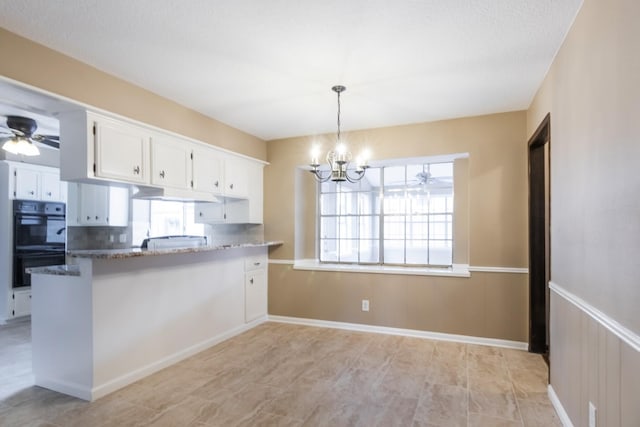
x=255 y=262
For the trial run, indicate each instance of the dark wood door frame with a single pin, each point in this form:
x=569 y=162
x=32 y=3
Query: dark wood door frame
x=539 y=145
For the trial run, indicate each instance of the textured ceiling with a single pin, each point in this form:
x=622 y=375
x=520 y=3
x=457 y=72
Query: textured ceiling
x=266 y=67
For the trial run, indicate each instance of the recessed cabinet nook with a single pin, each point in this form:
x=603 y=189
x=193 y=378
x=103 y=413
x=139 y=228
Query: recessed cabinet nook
x=98 y=149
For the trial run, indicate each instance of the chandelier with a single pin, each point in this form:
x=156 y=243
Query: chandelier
x=339 y=159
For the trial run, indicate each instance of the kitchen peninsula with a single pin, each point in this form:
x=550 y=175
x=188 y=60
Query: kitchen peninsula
x=112 y=317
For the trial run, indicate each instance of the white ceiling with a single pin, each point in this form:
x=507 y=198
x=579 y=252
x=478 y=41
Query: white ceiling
x=266 y=67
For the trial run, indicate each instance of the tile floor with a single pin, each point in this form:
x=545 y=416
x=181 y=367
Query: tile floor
x=287 y=375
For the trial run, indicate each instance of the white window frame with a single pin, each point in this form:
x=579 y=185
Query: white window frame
x=380 y=213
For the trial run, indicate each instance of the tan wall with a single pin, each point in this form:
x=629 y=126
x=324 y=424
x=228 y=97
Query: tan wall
x=593 y=95
x=487 y=305
x=492 y=305
x=497 y=179
x=41 y=67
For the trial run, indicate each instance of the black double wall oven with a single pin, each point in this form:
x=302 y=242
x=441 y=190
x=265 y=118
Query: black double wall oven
x=39 y=237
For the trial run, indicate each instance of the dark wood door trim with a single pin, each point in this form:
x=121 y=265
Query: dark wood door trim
x=538 y=237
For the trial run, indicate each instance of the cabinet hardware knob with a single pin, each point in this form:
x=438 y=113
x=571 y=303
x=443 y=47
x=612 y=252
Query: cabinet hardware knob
x=88 y=217
x=256 y=263
x=251 y=280
x=231 y=186
x=161 y=174
x=32 y=192
x=216 y=184
x=96 y=217
x=136 y=170
x=200 y=213
x=49 y=193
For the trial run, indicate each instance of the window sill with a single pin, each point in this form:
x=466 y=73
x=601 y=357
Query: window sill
x=458 y=270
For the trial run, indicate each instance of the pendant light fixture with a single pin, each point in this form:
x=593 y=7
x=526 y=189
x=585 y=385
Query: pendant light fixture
x=339 y=159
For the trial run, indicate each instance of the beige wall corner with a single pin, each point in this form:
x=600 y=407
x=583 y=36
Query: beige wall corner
x=52 y=71
x=592 y=94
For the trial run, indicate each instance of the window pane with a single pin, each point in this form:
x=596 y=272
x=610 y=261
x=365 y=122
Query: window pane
x=348 y=227
x=441 y=170
x=328 y=250
x=440 y=252
x=395 y=203
x=393 y=251
x=394 y=177
x=369 y=251
x=370 y=227
x=328 y=204
x=329 y=227
x=328 y=187
x=417 y=227
x=417 y=252
x=348 y=250
x=393 y=228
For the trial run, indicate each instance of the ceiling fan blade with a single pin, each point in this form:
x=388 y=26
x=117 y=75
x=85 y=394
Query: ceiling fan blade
x=49 y=142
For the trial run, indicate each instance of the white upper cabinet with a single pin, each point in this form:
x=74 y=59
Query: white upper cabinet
x=35 y=182
x=97 y=148
x=207 y=170
x=26 y=183
x=121 y=151
x=51 y=186
x=97 y=205
x=170 y=162
x=236 y=180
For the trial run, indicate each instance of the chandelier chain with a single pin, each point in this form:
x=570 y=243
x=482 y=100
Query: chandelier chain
x=338 y=116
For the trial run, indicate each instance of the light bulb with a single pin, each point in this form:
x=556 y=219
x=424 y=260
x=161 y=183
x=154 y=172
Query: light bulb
x=315 y=154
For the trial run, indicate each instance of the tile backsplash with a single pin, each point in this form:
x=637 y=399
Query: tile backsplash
x=79 y=238
x=232 y=234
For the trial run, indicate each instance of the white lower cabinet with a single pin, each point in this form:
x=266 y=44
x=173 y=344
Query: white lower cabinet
x=21 y=303
x=255 y=286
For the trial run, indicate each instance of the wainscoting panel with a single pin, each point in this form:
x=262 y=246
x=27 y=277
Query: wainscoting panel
x=593 y=359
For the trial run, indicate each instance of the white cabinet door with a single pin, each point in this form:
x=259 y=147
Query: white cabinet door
x=21 y=303
x=170 y=162
x=207 y=170
x=236 y=180
x=121 y=151
x=50 y=186
x=26 y=183
x=209 y=213
x=118 y=207
x=93 y=202
x=255 y=286
x=97 y=205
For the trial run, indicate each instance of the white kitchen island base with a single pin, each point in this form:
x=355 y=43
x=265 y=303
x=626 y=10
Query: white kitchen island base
x=121 y=319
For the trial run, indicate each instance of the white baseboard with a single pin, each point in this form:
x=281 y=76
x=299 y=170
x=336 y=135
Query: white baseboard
x=402 y=332
x=75 y=390
x=562 y=414
x=91 y=394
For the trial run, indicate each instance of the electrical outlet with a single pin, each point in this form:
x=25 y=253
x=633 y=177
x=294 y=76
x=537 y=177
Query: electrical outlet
x=365 y=305
x=592 y=414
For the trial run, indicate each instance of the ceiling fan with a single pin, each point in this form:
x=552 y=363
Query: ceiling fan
x=426 y=180
x=18 y=136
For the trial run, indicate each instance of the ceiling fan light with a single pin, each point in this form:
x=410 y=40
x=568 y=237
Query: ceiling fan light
x=11 y=146
x=22 y=146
